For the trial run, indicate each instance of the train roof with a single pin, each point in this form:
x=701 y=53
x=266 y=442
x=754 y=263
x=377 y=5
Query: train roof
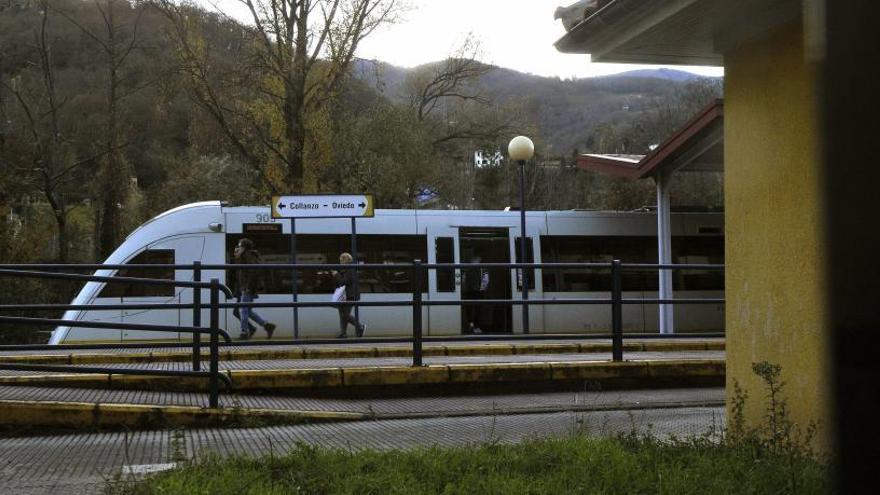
x=484 y=213
x=222 y=207
x=178 y=209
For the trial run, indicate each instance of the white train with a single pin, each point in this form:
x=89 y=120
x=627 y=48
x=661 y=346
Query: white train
x=208 y=231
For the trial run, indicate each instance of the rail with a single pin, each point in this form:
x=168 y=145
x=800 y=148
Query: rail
x=419 y=273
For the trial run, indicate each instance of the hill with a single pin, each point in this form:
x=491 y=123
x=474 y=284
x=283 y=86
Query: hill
x=663 y=73
x=566 y=111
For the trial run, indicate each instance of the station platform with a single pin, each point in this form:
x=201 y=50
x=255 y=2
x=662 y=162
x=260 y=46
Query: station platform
x=352 y=348
x=305 y=383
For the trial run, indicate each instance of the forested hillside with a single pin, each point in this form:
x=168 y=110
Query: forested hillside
x=113 y=111
x=569 y=111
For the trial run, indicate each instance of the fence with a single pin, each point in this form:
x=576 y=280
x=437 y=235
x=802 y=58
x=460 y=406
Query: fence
x=419 y=274
x=213 y=330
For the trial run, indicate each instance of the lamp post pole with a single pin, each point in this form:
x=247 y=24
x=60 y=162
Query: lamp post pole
x=521 y=149
x=522 y=244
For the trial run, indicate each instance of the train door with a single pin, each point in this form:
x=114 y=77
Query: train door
x=443 y=285
x=536 y=311
x=488 y=245
x=182 y=250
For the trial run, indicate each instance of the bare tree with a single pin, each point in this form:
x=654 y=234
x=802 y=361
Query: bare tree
x=116 y=41
x=48 y=165
x=459 y=117
x=452 y=79
x=447 y=97
x=294 y=55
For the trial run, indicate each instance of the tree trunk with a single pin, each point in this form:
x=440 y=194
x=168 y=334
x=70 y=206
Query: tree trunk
x=296 y=136
x=114 y=181
x=63 y=249
x=294 y=115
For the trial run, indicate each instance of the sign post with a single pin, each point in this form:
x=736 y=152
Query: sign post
x=294 y=278
x=321 y=206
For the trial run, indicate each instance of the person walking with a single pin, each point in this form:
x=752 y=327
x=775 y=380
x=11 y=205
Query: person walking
x=247 y=282
x=345 y=278
x=476 y=283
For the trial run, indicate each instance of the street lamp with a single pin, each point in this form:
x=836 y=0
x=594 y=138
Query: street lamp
x=521 y=149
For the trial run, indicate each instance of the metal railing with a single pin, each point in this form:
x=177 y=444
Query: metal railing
x=419 y=274
x=616 y=301
x=213 y=330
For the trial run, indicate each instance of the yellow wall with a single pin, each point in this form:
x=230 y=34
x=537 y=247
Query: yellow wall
x=775 y=306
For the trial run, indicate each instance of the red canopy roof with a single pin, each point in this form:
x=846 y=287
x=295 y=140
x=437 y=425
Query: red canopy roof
x=696 y=146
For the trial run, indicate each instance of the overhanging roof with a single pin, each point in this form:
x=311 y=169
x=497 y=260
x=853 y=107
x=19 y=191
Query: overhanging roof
x=625 y=166
x=698 y=146
x=686 y=32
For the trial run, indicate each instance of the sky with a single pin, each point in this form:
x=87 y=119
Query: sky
x=516 y=34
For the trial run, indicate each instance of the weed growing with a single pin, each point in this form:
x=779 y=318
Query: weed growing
x=777 y=437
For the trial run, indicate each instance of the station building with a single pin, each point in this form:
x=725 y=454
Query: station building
x=776 y=304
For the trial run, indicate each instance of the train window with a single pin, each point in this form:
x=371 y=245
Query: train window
x=273 y=248
x=148 y=257
x=597 y=249
x=390 y=249
x=445 y=254
x=325 y=249
x=698 y=250
x=629 y=249
x=530 y=258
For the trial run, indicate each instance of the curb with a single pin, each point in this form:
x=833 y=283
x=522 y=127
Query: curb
x=79 y=415
x=84 y=414
x=363 y=352
x=551 y=409
x=312 y=380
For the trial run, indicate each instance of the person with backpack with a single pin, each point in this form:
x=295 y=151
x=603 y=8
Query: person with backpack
x=247 y=285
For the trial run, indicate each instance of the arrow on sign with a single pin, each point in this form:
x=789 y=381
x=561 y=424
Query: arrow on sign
x=280 y=206
x=363 y=205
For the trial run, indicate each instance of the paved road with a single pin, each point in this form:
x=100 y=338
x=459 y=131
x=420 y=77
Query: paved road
x=82 y=463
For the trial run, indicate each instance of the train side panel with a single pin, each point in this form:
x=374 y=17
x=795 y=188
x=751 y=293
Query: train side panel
x=208 y=231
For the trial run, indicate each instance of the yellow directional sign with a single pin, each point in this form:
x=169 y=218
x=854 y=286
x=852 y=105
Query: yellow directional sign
x=323 y=206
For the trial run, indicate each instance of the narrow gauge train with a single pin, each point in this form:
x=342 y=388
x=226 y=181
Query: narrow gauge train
x=208 y=232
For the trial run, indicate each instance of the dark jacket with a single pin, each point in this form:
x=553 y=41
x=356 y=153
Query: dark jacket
x=476 y=279
x=346 y=278
x=248 y=281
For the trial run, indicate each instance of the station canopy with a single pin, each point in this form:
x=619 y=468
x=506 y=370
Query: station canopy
x=676 y=32
x=698 y=146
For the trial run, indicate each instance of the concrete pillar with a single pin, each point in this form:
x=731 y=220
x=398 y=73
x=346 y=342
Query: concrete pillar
x=664 y=250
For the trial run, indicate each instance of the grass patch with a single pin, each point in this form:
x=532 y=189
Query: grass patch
x=576 y=464
x=772 y=457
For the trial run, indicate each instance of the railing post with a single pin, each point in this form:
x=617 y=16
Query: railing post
x=616 y=313
x=417 y=312
x=213 y=381
x=197 y=316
